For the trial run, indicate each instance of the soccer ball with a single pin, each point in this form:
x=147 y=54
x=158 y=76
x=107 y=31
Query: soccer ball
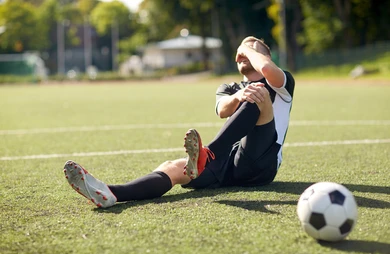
x=327 y=211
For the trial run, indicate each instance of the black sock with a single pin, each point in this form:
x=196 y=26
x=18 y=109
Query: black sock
x=235 y=128
x=150 y=186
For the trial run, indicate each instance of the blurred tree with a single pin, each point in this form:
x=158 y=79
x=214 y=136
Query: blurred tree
x=177 y=14
x=229 y=20
x=196 y=22
x=369 y=20
x=293 y=18
x=86 y=6
x=36 y=3
x=23 y=28
x=343 y=23
x=72 y=18
x=161 y=17
x=106 y=13
x=48 y=15
x=239 y=19
x=112 y=21
x=155 y=20
x=320 y=25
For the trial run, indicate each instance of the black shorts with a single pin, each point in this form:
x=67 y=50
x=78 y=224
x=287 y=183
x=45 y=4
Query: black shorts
x=251 y=162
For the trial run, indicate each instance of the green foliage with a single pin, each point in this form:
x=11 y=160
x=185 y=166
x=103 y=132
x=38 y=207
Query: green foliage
x=72 y=14
x=320 y=26
x=161 y=23
x=20 y=79
x=106 y=13
x=24 y=30
x=130 y=45
x=86 y=6
x=48 y=14
x=342 y=24
x=273 y=11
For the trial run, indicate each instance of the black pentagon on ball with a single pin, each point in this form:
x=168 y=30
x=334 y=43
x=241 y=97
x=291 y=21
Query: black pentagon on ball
x=317 y=220
x=346 y=227
x=336 y=197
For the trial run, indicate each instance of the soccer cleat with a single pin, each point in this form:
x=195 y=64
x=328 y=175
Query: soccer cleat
x=88 y=186
x=197 y=154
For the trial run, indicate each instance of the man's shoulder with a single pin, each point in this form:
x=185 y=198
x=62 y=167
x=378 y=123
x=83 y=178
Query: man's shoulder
x=290 y=82
x=289 y=76
x=230 y=86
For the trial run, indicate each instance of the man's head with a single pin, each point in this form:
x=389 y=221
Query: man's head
x=261 y=48
x=243 y=64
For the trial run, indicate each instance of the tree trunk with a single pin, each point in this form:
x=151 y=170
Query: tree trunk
x=343 y=9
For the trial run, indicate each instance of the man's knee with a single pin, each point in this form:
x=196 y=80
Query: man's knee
x=267 y=112
x=174 y=169
x=250 y=106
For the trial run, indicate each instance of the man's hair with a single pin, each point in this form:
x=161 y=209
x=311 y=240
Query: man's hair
x=267 y=50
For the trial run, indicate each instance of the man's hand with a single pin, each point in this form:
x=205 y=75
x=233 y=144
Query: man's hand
x=256 y=46
x=243 y=49
x=253 y=93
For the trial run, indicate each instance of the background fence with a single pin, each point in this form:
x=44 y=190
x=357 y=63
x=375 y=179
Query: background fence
x=33 y=64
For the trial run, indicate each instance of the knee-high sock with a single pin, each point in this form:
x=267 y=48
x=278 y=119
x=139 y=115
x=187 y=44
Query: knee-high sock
x=235 y=128
x=150 y=186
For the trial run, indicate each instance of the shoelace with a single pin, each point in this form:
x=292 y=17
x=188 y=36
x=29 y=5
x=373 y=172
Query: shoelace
x=209 y=154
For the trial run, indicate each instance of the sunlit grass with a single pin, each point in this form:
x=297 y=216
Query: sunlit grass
x=41 y=214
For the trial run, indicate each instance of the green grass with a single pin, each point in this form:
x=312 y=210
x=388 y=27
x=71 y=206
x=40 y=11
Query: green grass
x=40 y=213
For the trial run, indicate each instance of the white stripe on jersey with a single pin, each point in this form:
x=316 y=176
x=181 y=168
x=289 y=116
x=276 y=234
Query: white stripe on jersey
x=282 y=107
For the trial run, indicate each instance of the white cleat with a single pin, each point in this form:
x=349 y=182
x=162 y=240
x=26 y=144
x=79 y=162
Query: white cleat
x=88 y=186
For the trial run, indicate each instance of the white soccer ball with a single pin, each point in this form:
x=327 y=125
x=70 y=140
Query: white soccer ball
x=327 y=211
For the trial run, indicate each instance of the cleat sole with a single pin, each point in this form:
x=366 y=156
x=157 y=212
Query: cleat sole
x=87 y=186
x=192 y=149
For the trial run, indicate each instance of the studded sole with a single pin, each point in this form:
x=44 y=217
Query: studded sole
x=191 y=144
x=77 y=178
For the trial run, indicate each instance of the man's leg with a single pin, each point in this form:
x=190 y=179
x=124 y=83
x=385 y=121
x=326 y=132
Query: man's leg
x=257 y=151
x=236 y=127
x=153 y=185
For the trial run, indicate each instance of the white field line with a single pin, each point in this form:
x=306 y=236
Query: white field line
x=179 y=125
x=165 y=150
x=108 y=128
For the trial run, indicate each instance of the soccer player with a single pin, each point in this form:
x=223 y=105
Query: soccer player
x=247 y=151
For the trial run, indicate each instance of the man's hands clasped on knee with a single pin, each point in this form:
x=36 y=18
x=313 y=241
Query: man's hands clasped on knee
x=253 y=93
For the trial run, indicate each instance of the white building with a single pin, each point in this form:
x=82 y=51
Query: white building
x=180 y=51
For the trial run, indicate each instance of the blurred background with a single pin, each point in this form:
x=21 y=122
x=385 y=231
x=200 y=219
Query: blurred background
x=129 y=39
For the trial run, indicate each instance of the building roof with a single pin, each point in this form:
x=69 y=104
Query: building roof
x=188 y=42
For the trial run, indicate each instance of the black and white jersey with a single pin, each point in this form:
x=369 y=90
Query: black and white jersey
x=281 y=101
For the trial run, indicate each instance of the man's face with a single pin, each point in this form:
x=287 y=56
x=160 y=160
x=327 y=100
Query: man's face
x=243 y=64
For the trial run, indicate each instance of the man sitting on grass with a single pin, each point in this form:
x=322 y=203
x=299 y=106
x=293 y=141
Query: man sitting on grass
x=247 y=151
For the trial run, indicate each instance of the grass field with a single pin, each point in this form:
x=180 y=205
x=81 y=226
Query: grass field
x=340 y=132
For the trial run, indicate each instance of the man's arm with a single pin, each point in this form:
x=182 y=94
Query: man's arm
x=252 y=93
x=263 y=64
x=227 y=105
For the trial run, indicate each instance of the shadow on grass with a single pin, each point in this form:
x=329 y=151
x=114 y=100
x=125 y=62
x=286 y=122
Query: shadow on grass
x=258 y=206
x=277 y=186
x=298 y=187
x=358 y=246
